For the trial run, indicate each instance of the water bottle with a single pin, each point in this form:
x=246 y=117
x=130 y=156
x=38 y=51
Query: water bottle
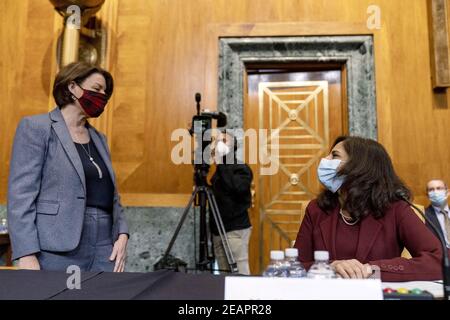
x=276 y=267
x=3 y=226
x=295 y=269
x=321 y=269
x=285 y=266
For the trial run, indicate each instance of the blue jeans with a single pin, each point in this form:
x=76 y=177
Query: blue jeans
x=94 y=249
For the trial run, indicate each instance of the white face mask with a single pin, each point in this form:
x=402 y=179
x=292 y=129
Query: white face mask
x=328 y=174
x=438 y=197
x=222 y=149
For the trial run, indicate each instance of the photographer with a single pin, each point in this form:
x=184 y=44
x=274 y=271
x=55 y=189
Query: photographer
x=231 y=186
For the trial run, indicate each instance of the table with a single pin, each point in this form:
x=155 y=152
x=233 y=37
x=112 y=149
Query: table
x=158 y=285
x=5 y=248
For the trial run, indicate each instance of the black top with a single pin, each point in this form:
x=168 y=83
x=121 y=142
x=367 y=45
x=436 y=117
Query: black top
x=99 y=192
x=231 y=187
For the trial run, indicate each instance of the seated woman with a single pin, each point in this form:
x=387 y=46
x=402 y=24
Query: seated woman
x=359 y=220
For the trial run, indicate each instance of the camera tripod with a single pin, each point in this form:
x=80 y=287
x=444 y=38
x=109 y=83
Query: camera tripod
x=205 y=199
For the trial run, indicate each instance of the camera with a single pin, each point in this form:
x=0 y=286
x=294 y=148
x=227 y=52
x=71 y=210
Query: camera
x=202 y=196
x=201 y=130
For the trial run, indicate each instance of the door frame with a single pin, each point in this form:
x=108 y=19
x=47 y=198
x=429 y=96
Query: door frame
x=257 y=263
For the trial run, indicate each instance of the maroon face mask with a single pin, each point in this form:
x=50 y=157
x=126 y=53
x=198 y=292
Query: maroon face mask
x=92 y=102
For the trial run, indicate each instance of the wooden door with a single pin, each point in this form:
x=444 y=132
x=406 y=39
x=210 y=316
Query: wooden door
x=307 y=111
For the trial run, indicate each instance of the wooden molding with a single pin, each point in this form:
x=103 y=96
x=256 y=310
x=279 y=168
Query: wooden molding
x=154 y=200
x=58 y=22
x=108 y=18
x=282 y=29
x=439 y=15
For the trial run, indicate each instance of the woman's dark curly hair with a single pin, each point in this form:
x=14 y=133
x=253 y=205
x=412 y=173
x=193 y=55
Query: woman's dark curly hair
x=370 y=184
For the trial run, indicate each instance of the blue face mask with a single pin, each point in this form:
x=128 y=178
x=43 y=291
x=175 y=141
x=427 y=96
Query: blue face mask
x=327 y=173
x=438 y=197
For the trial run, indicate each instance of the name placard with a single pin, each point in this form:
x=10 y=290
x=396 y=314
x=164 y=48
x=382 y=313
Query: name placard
x=262 y=288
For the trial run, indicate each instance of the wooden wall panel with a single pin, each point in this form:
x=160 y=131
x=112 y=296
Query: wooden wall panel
x=163 y=56
x=128 y=120
x=26 y=30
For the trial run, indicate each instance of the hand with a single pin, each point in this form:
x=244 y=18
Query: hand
x=213 y=155
x=119 y=253
x=29 y=263
x=352 y=269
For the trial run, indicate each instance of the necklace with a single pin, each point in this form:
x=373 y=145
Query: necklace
x=100 y=173
x=345 y=219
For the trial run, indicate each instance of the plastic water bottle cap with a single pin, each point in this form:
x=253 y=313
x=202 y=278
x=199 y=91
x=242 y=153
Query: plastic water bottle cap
x=321 y=255
x=276 y=255
x=291 y=252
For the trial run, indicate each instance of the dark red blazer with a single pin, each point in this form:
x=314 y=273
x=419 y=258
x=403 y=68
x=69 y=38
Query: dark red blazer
x=381 y=242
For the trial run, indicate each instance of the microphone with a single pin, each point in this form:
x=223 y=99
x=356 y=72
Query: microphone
x=198 y=98
x=445 y=262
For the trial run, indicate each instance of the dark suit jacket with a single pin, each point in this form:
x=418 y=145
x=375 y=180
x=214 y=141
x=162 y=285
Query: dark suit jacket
x=431 y=214
x=47 y=187
x=381 y=242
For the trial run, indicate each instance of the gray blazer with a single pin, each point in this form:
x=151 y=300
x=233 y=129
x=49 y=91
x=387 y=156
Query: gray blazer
x=47 y=187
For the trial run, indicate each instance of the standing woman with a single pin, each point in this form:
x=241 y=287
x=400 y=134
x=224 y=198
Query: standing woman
x=360 y=220
x=63 y=204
